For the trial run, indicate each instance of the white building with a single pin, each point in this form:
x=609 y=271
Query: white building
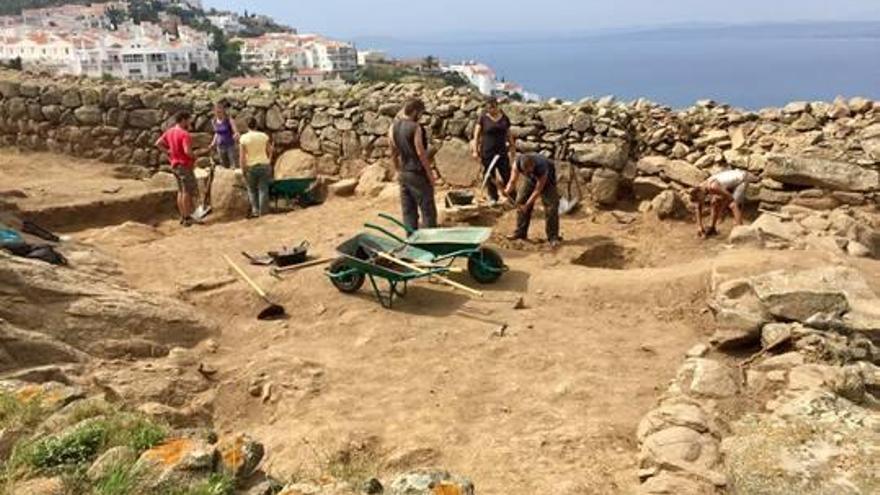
x=480 y=75
x=367 y=57
x=227 y=22
x=281 y=55
x=132 y=52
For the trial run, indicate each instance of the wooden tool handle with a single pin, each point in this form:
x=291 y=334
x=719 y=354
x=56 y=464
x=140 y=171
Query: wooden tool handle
x=441 y=278
x=245 y=277
x=307 y=264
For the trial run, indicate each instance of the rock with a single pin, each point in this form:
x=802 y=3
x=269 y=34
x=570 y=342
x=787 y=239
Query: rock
x=713 y=137
x=775 y=333
x=821 y=173
x=49 y=396
x=781 y=362
x=71 y=99
x=612 y=155
x=295 y=164
x=455 y=164
x=667 y=483
x=668 y=204
x=798 y=296
x=555 y=120
x=747 y=235
x=89 y=115
x=274 y=119
x=711 y=379
x=605 y=185
x=186 y=417
x=372 y=180
x=678 y=448
x=796 y=107
x=681 y=172
x=430 y=482
x=860 y=105
x=41 y=486
x=10 y=89
x=144 y=118
x=647 y=188
x=110 y=459
x=738 y=138
x=805 y=122
x=309 y=140
x=343 y=188
x=673 y=414
x=240 y=455
x=178 y=460
x=229 y=195
x=775 y=228
x=857 y=249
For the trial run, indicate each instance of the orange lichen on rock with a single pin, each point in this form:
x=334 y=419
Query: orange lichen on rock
x=170 y=452
x=446 y=489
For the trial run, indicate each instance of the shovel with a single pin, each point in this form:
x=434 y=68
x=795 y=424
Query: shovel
x=571 y=200
x=272 y=311
x=205 y=209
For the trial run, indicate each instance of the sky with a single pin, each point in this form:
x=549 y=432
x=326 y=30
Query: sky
x=415 y=18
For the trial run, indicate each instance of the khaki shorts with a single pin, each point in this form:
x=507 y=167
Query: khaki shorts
x=186 y=180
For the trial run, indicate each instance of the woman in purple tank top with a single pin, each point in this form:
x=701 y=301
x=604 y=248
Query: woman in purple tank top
x=225 y=136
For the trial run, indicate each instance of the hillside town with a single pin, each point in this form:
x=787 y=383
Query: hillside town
x=117 y=39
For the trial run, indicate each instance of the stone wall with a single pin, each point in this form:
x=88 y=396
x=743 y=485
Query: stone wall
x=810 y=152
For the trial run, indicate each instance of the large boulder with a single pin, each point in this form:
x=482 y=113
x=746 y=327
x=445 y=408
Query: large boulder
x=372 y=180
x=613 y=155
x=821 y=173
x=229 y=198
x=144 y=118
x=456 y=165
x=800 y=295
x=605 y=186
x=89 y=115
x=178 y=461
x=294 y=164
x=72 y=312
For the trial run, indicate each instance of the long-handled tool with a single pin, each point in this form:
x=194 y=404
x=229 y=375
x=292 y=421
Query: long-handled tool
x=308 y=264
x=489 y=171
x=205 y=208
x=417 y=269
x=273 y=311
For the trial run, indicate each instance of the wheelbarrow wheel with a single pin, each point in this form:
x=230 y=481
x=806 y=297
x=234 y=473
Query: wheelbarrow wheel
x=349 y=283
x=486 y=266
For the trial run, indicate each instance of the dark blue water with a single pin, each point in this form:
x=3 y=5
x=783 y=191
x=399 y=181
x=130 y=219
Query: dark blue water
x=746 y=67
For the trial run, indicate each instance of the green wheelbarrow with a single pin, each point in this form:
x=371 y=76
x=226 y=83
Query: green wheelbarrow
x=485 y=265
x=293 y=191
x=366 y=256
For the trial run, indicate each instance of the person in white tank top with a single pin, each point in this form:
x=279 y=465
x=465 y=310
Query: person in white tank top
x=727 y=190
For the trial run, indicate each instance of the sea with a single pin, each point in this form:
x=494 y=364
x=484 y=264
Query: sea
x=750 y=67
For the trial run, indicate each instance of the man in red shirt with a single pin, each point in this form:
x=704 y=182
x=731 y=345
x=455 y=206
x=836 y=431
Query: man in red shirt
x=177 y=142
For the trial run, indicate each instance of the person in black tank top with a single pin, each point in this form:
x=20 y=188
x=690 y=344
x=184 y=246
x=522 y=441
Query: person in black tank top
x=492 y=138
x=409 y=152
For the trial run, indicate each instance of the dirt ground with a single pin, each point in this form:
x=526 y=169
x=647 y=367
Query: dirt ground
x=549 y=406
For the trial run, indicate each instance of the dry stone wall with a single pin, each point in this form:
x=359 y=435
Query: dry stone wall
x=806 y=151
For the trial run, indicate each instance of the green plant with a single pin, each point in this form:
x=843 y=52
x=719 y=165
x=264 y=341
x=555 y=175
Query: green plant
x=121 y=479
x=22 y=414
x=74 y=448
x=140 y=435
x=216 y=484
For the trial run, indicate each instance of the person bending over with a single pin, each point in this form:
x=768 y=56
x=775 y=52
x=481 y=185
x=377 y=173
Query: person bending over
x=540 y=182
x=724 y=190
x=493 y=142
x=177 y=143
x=256 y=166
x=409 y=152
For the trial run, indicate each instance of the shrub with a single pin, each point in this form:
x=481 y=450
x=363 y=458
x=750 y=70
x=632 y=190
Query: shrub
x=74 y=448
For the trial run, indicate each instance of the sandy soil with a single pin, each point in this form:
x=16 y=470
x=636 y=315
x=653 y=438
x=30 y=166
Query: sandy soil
x=67 y=194
x=549 y=407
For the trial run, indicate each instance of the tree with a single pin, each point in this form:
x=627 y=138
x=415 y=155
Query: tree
x=228 y=52
x=116 y=17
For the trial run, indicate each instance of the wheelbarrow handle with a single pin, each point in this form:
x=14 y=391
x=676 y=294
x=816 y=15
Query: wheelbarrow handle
x=422 y=271
x=246 y=278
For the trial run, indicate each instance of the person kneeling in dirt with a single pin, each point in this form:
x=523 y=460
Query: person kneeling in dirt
x=409 y=151
x=256 y=167
x=177 y=142
x=540 y=175
x=727 y=190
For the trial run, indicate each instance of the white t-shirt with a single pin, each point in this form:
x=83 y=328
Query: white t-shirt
x=730 y=179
